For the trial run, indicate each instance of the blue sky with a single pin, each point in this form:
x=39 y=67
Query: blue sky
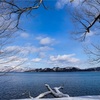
x=47 y=42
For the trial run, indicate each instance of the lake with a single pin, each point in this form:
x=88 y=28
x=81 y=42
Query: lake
x=18 y=85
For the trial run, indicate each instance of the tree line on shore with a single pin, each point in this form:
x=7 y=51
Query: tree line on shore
x=65 y=69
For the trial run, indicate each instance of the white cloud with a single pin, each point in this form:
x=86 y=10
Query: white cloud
x=91 y=33
x=60 y=4
x=18 y=54
x=64 y=58
x=46 y=40
x=45 y=48
x=42 y=54
x=36 y=60
x=28 y=49
x=11 y=48
x=18 y=49
x=12 y=63
x=24 y=35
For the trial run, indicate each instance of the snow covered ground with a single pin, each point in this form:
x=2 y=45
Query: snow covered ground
x=67 y=98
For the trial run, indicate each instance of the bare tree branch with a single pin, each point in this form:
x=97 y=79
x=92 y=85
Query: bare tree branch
x=11 y=12
x=87 y=16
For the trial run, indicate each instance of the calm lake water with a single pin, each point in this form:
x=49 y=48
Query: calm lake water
x=18 y=85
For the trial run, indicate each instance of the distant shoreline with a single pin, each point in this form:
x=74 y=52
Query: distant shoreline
x=58 y=69
x=66 y=69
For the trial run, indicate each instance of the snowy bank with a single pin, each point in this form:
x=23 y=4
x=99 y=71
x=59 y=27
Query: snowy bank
x=67 y=98
x=59 y=95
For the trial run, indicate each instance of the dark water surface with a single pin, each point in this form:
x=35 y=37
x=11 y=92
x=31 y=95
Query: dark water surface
x=18 y=85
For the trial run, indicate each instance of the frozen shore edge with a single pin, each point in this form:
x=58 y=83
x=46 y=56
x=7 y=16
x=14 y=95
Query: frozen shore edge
x=66 y=98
